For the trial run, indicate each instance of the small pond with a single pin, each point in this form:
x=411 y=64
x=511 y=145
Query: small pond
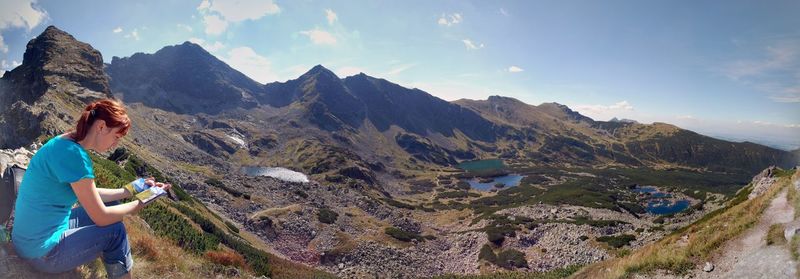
x=510 y=180
x=660 y=202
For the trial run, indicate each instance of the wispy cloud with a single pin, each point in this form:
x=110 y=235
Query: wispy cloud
x=217 y=14
x=621 y=109
x=117 y=30
x=776 y=72
x=450 y=20
x=5 y=66
x=133 y=34
x=514 y=69
x=503 y=12
x=331 y=16
x=320 y=37
x=470 y=45
x=399 y=69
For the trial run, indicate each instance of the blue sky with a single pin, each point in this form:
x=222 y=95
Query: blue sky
x=729 y=69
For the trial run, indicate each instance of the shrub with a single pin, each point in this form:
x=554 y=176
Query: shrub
x=617 y=241
x=327 y=216
x=402 y=235
x=487 y=254
x=301 y=194
x=511 y=258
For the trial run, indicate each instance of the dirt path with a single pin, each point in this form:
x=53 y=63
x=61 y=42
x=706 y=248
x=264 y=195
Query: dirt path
x=749 y=256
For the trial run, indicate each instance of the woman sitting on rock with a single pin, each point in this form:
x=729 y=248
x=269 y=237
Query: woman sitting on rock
x=52 y=235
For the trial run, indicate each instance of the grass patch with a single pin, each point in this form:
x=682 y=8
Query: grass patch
x=775 y=235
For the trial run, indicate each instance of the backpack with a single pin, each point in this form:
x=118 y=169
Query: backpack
x=9 y=187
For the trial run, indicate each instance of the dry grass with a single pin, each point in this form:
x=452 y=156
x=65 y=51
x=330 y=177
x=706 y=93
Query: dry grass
x=775 y=235
x=226 y=257
x=704 y=237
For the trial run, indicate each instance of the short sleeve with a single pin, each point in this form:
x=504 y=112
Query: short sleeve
x=71 y=164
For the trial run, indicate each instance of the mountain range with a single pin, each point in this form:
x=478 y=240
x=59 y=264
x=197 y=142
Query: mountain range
x=366 y=143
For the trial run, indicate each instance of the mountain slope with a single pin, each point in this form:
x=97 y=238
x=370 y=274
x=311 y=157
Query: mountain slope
x=182 y=78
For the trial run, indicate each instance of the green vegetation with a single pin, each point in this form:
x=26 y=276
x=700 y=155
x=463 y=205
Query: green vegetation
x=707 y=235
x=487 y=254
x=402 y=235
x=617 y=241
x=327 y=216
x=236 y=193
x=163 y=218
x=456 y=195
x=511 y=258
x=491 y=164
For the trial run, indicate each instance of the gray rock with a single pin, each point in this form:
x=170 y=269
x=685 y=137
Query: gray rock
x=708 y=267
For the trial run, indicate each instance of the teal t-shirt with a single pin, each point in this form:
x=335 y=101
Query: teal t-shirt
x=45 y=198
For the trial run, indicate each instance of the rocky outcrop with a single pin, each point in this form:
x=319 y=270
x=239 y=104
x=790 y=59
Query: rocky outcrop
x=57 y=77
x=762 y=182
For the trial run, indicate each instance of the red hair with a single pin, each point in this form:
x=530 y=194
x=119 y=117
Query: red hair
x=108 y=110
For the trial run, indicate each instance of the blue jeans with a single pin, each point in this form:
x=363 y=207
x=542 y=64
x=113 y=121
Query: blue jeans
x=83 y=242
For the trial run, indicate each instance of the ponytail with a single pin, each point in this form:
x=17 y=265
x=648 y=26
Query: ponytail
x=108 y=110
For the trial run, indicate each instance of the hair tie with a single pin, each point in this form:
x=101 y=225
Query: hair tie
x=91 y=112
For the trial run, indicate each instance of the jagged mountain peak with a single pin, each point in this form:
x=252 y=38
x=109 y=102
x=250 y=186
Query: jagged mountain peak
x=183 y=78
x=319 y=71
x=57 y=76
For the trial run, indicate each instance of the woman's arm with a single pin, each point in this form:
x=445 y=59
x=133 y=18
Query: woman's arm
x=109 y=195
x=89 y=197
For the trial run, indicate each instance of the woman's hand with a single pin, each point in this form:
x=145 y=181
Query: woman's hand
x=153 y=183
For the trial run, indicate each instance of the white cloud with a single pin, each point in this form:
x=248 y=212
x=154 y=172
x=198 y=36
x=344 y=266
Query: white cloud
x=185 y=27
x=239 y=10
x=450 y=20
x=210 y=47
x=776 y=59
x=348 y=71
x=5 y=66
x=331 y=16
x=217 y=14
x=788 y=95
x=117 y=30
x=214 y=24
x=620 y=109
x=133 y=34
x=247 y=61
x=514 y=69
x=320 y=37
x=3 y=46
x=21 y=14
x=470 y=45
